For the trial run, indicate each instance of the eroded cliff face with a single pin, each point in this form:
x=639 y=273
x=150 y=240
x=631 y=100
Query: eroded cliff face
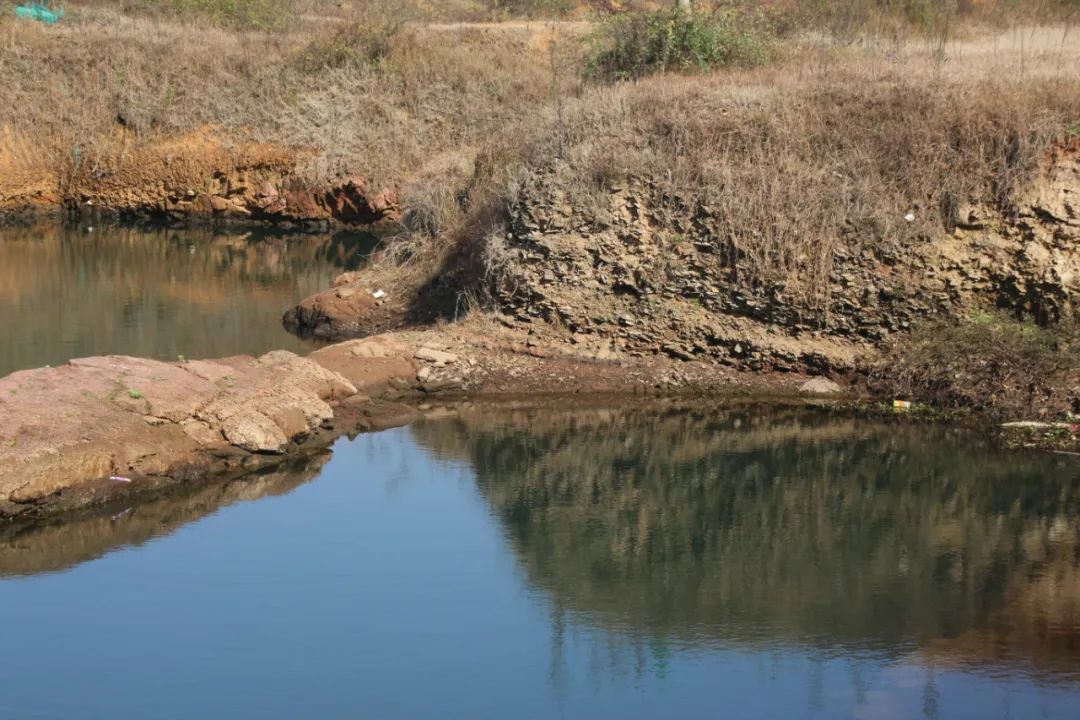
x=657 y=274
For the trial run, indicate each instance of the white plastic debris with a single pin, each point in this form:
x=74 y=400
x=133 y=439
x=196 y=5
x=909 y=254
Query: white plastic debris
x=119 y=478
x=910 y=217
x=379 y=294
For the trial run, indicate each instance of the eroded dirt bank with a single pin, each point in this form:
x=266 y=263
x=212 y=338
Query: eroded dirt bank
x=102 y=429
x=194 y=177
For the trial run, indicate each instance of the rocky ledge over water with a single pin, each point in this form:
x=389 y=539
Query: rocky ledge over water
x=100 y=426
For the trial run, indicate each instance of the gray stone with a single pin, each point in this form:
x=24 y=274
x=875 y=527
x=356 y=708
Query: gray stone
x=820 y=386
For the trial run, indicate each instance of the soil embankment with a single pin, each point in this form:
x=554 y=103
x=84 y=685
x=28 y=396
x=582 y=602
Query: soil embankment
x=195 y=177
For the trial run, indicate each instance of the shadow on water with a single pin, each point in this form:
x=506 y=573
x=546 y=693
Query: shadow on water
x=69 y=291
x=62 y=543
x=759 y=526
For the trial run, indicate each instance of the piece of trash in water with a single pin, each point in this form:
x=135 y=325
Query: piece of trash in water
x=121 y=514
x=901 y=404
x=119 y=478
x=910 y=217
x=379 y=294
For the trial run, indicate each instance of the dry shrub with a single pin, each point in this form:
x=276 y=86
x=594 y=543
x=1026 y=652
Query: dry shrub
x=789 y=165
x=991 y=362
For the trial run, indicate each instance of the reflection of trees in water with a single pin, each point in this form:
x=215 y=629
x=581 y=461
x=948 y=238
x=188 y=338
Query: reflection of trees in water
x=762 y=525
x=66 y=291
x=70 y=540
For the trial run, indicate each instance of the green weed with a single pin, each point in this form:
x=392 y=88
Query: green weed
x=637 y=45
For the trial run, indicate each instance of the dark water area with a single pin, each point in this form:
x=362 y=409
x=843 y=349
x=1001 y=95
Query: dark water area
x=68 y=291
x=745 y=562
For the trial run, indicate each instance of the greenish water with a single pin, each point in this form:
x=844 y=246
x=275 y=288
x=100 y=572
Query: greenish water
x=78 y=291
x=745 y=562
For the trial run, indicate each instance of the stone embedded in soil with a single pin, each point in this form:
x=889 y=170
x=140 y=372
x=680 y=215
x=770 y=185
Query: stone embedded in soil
x=433 y=355
x=820 y=386
x=373 y=365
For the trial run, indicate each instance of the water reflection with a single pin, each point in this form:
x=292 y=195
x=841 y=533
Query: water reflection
x=62 y=543
x=631 y=562
x=69 y=291
x=757 y=527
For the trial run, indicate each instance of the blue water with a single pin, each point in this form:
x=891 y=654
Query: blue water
x=420 y=575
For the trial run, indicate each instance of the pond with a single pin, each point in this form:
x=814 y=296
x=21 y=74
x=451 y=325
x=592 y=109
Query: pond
x=78 y=291
x=605 y=561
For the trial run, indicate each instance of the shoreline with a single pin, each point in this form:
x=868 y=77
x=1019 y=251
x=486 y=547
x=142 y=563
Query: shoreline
x=101 y=430
x=68 y=448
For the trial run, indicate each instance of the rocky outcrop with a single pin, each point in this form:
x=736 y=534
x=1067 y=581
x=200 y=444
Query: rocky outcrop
x=105 y=429
x=236 y=196
x=77 y=433
x=657 y=275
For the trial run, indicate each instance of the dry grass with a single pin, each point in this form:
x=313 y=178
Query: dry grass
x=787 y=166
x=104 y=78
x=836 y=140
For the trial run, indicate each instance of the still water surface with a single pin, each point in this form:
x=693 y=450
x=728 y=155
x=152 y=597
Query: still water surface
x=736 y=562
x=70 y=292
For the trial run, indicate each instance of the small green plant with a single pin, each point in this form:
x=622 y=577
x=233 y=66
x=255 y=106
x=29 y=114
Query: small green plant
x=641 y=44
x=12 y=442
x=135 y=394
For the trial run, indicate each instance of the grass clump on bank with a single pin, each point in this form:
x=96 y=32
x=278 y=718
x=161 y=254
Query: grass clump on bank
x=640 y=44
x=992 y=362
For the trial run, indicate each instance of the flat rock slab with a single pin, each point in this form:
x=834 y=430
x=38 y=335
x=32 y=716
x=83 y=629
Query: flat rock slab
x=115 y=417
